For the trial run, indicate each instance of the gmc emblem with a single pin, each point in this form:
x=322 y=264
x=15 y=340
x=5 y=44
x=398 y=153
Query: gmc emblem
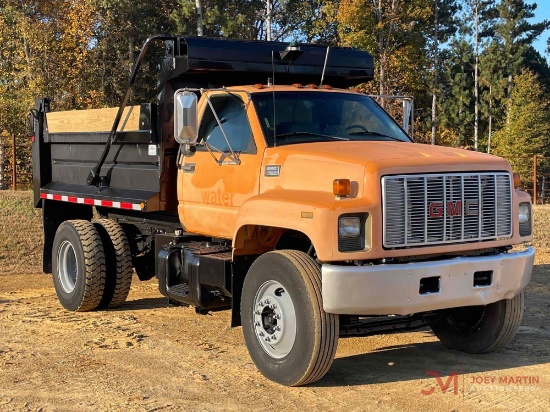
x=436 y=209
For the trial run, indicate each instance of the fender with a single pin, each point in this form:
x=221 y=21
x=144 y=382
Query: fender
x=309 y=212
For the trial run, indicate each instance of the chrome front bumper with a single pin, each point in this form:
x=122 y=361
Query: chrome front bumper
x=394 y=289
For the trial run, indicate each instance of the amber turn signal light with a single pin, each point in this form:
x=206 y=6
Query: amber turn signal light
x=517 y=180
x=341 y=187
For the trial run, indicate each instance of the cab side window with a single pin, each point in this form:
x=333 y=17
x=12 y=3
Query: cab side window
x=231 y=112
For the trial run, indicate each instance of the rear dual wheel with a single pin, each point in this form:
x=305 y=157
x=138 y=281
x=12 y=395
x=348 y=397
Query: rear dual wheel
x=78 y=266
x=119 y=263
x=92 y=265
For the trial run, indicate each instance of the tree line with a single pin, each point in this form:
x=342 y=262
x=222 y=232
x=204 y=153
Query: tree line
x=470 y=65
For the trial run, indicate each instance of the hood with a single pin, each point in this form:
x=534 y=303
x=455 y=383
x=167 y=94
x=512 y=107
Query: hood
x=316 y=165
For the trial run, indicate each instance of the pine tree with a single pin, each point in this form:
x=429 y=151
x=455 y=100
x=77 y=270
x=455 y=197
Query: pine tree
x=528 y=130
x=456 y=106
x=516 y=34
x=493 y=81
x=444 y=26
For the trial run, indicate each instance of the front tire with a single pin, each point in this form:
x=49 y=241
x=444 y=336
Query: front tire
x=78 y=265
x=289 y=336
x=481 y=329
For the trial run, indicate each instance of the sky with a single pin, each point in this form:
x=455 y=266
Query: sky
x=542 y=12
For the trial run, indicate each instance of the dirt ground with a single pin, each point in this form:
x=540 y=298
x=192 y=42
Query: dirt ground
x=148 y=356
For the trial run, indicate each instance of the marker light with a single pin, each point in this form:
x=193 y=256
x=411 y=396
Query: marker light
x=341 y=187
x=517 y=180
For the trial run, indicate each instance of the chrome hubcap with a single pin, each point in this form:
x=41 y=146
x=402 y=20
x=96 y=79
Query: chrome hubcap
x=66 y=266
x=274 y=319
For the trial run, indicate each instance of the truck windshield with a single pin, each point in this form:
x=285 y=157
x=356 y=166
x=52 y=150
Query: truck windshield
x=302 y=117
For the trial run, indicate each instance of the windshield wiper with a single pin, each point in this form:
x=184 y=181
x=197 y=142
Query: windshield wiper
x=311 y=134
x=363 y=133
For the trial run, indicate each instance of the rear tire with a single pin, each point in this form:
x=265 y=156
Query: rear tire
x=481 y=329
x=118 y=263
x=78 y=265
x=289 y=336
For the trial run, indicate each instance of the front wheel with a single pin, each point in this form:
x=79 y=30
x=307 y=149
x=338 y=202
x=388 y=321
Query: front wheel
x=289 y=336
x=481 y=329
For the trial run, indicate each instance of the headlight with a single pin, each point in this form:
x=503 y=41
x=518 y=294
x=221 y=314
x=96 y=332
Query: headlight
x=524 y=213
x=349 y=227
x=524 y=217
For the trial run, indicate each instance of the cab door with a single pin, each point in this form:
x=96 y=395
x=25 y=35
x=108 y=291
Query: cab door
x=225 y=169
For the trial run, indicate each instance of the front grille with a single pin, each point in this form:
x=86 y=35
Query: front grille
x=436 y=209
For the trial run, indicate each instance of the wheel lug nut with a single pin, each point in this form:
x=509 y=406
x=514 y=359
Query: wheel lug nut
x=277 y=316
x=277 y=328
x=273 y=306
x=267 y=301
x=274 y=337
x=257 y=312
x=260 y=303
x=268 y=339
x=261 y=334
x=257 y=324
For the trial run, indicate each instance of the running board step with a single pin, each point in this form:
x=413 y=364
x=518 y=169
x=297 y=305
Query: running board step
x=181 y=290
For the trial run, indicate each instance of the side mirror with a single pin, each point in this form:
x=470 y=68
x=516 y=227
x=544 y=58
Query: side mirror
x=185 y=116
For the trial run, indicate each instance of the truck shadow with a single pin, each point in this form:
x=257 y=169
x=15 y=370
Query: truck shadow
x=414 y=361
x=397 y=363
x=144 y=303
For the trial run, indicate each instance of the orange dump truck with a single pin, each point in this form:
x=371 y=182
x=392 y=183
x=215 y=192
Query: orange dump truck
x=259 y=182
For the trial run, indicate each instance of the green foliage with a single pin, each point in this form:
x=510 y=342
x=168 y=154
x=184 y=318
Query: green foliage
x=456 y=115
x=121 y=28
x=242 y=19
x=80 y=53
x=395 y=33
x=528 y=131
x=514 y=31
x=539 y=65
x=246 y=19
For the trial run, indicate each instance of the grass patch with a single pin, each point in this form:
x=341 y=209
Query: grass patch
x=541 y=233
x=20 y=234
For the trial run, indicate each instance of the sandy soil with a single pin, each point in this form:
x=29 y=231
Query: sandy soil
x=148 y=356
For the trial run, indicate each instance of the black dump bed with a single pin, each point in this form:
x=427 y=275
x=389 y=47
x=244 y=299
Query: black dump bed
x=131 y=174
x=139 y=170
